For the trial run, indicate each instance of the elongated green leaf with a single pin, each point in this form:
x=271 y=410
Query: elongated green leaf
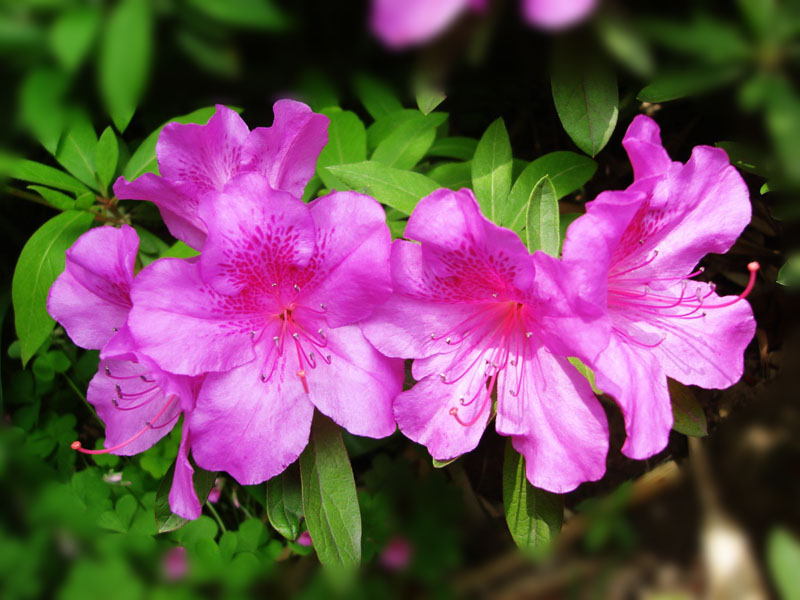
x=166 y=520
x=376 y=97
x=586 y=97
x=54 y=198
x=347 y=143
x=542 y=230
x=41 y=261
x=710 y=39
x=429 y=97
x=461 y=148
x=330 y=503
x=789 y=274
x=672 y=85
x=106 y=156
x=688 y=415
x=533 y=516
x=783 y=559
x=568 y=171
x=144 y=159
x=625 y=43
x=124 y=61
x=408 y=143
x=385 y=125
x=393 y=187
x=78 y=147
x=34 y=172
x=41 y=98
x=72 y=35
x=491 y=170
x=285 y=503
x=455 y=175
x=253 y=14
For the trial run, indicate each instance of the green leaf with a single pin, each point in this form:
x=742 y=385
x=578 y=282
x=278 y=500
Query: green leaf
x=441 y=464
x=78 y=147
x=285 y=503
x=541 y=217
x=217 y=58
x=429 y=97
x=252 y=533
x=568 y=171
x=54 y=198
x=533 y=516
x=41 y=261
x=384 y=126
x=179 y=250
x=746 y=158
x=689 y=417
x=671 y=85
x=41 y=97
x=783 y=560
x=393 y=187
x=461 y=148
x=106 y=156
x=707 y=38
x=347 y=143
x=376 y=97
x=166 y=520
x=789 y=275
x=251 y=14
x=491 y=170
x=124 y=61
x=329 y=497
x=586 y=97
x=72 y=35
x=144 y=159
x=624 y=42
x=408 y=143
x=584 y=370
x=455 y=175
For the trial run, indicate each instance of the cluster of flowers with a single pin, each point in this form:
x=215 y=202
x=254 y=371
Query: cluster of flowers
x=292 y=307
x=403 y=23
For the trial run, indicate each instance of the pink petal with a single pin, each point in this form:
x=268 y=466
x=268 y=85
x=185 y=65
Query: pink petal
x=402 y=23
x=256 y=235
x=141 y=403
x=183 y=499
x=185 y=326
x=557 y=14
x=423 y=414
x=351 y=272
x=567 y=439
x=286 y=153
x=708 y=350
x=635 y=378
x=357 y=388
x=459 y=242
x=250 y=429
x=91 y=298
x=178 y=210
x=642 y=142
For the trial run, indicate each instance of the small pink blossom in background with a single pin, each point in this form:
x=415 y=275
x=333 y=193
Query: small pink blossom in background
x=635 y=253
x=270 y=311
x=304 y=539
x=195 y=160
x=396 y=555
x=214 y=494
x=137 y=401
x=404 y=23
x=478 y=313
x=175 y=564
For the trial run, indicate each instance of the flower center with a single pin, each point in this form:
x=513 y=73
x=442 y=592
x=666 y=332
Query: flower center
x=497 y=336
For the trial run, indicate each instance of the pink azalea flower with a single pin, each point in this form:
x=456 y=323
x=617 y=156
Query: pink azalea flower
x=404 y=23
x=270 y=310
x=396 y=555
x=197 y=159
x=137 y=401
x=637 y=251
x=479 y=314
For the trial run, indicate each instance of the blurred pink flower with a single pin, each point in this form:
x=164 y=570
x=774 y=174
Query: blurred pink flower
x=175 y=564
x=396 y=555
x=556 y=14
x=635 y=252
x=304 y=539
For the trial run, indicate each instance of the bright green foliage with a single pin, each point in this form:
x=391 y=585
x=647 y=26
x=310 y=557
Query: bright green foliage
x=783 y=558
x=347 y=143
x=106 y=156
x=491 y=170
x=329 y=498
x=285 y=503
x=41 y=261
x=542 y=231
x=252 y=14
x=688 y=414
x=533 y=516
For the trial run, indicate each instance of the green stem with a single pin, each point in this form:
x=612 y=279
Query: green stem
x=82 y=397
x=215 y=514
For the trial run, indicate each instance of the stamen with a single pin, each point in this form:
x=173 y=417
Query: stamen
x=753 y=267
x=296 y=287
x=76 y=445
x=123 y=377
